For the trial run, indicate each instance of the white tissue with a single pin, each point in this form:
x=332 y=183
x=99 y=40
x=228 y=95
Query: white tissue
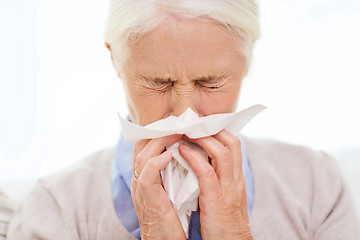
x=180 y=182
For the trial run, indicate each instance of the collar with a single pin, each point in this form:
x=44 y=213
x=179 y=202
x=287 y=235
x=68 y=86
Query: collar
x=122 y=164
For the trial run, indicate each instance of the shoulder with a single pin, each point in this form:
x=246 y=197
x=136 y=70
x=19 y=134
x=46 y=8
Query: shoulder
x=280 y=152
x=73 y=202
x=291 y=162
x=305 y=189
x=298 y=170
x=82 y=192
x=87 y=174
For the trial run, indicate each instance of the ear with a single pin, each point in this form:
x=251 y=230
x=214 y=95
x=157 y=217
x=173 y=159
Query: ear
x=112 y=59
x=111 y=53
x=109 y=48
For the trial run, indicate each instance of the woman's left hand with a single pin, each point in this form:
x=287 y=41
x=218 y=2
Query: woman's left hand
x=222 y=200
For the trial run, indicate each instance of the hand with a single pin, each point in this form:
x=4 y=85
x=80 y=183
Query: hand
x=222 y=200
x=156 y=216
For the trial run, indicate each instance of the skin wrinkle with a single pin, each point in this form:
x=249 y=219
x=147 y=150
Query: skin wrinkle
x=185 y=56
x=153 y=85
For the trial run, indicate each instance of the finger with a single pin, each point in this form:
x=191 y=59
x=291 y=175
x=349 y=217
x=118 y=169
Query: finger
x=208 y=181
x=154 y=147
x=232 y=143
x=149 y=181
x=222 y=157
x=138 y=147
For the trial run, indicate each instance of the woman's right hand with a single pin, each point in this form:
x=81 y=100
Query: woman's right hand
x=156 y=216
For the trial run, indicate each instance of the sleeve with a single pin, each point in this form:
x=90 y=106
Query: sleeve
x=334 y=214
x=40 y=217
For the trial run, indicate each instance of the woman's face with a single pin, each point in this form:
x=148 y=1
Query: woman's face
x=182 y=64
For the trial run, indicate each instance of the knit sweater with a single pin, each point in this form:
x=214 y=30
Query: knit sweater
x=299 y=194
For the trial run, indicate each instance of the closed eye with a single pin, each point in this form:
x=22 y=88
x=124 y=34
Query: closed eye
x=207 y=83
x=211 y=84
x=160 y=85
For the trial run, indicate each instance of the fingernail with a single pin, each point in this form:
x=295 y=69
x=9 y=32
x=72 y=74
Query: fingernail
x=185 y=146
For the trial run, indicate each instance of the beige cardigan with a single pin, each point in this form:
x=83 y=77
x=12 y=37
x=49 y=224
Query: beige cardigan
x=299 y=194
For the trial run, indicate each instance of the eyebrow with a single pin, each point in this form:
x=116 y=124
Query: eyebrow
x=206 y=78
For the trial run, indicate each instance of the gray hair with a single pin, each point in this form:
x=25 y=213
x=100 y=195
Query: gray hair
x=129 y=19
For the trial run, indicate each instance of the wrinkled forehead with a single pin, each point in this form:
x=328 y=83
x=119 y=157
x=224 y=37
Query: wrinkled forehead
x=185 y=46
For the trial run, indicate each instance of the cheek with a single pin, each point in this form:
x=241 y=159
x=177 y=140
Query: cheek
x=223 y=101
x=146 y=108
x=218 y=103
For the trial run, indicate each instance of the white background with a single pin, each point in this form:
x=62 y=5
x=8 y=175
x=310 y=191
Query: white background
x=59 y=93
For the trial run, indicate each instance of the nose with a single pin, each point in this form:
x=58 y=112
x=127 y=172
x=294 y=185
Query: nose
x=181 y=102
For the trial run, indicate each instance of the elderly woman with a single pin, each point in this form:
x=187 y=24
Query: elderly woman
x=172 y=55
